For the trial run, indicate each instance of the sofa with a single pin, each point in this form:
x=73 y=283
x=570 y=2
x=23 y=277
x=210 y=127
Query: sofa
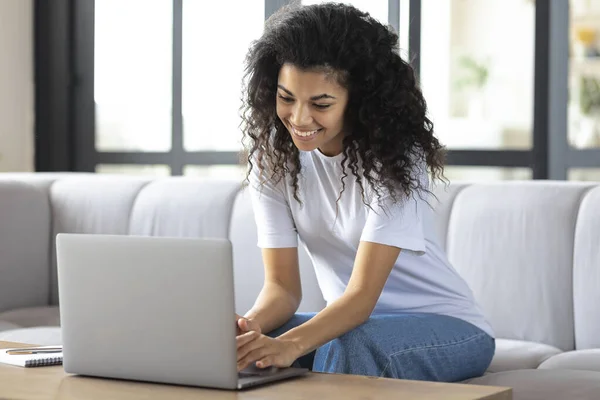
x=529 y=250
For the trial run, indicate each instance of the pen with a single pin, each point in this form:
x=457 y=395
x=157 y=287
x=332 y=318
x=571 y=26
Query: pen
x=34 y=350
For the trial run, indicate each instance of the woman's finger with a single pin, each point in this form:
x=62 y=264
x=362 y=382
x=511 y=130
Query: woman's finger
x=253 y=325
x=253 y=356
x=246 y=338
x=244 y=350
x=243 y=324
x=247 y=325
x=265 y=362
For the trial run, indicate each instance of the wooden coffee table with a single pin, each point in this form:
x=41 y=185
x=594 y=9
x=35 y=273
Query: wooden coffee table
x=54 y=383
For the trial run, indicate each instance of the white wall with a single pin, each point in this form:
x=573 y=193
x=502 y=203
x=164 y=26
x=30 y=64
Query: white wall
x=16 y=86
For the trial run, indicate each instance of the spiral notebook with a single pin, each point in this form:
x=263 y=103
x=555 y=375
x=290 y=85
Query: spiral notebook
x=39 y=356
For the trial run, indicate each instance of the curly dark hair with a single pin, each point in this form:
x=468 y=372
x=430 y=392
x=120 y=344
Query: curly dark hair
x=387 y=133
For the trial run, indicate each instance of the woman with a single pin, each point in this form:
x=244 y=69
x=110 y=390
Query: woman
x=340 y=149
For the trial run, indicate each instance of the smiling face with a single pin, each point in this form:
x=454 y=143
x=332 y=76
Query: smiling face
x=311 y=105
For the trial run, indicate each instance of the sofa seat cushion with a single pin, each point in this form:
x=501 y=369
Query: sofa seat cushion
x=32 y=316
x=5 y=326
x=588 y=360
x=545 y=384
x=46 y=335
x=519 y=354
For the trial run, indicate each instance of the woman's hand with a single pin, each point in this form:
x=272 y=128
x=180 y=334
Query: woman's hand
x=244 y=325
x=265 y=351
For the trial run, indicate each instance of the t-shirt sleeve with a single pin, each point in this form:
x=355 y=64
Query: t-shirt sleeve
x=274 y=221
x=398 y=224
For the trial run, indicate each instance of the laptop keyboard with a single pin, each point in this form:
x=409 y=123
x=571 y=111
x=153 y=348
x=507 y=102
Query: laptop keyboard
x=255 y=371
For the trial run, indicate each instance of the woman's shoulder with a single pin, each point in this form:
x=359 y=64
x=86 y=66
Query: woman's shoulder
x=416 y=185
x=262 y=175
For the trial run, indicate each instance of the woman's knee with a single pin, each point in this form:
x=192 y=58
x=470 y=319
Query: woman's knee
x=356 y=352
x=385 y=347
x=449 y=362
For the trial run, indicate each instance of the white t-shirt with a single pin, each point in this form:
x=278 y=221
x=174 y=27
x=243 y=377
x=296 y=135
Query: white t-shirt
x=422 y=279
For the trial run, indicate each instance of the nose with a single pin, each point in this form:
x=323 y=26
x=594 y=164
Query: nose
x=301 y=115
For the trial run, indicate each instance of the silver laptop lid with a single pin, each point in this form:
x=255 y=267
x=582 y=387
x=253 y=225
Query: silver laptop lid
x=148 y=308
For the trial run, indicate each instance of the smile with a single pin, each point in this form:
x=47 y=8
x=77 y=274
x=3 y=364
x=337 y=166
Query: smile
x=305 y=135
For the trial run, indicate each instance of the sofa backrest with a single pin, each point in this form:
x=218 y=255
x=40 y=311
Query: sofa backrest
x=586 y=272
x=443 y=201
x=24 y=245
x=514 y=244
x=529 y=250
x=177 y=207
x=92 y=205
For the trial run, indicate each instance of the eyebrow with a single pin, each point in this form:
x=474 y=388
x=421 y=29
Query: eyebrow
x=314 y=98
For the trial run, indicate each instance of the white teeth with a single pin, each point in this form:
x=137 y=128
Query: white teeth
x=305 y=134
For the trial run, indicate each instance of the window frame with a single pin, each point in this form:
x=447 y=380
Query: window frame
x=65 y=117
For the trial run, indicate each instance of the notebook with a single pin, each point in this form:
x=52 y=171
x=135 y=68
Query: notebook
x=38 y=356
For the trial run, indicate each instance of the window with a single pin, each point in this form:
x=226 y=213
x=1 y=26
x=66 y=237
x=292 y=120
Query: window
x=134 y=169
x=132 y=75
x=477 y=72
x=144 y=85
x=486 y=174
x=378 y=9
x=168 y=82
x=584 y=174
x=584 y=75
x=233 y=172
x=216 y=38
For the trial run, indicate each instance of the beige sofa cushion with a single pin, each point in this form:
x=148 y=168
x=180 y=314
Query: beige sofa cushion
x=184 y=207
x=6 y=326
x=46 y=336
x=32 y=316
x=100 y=204
x=539 y=384
x=519 y=354
x=513 y=244
x=24 y=245
x=588 y=360
x=442 y=204
x=586 y=272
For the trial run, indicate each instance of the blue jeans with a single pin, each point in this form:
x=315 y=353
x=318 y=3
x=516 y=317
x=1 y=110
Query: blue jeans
x=406 y=346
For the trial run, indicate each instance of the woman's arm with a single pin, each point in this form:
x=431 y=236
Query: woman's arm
x=372 y=267
x=281 y=293
x=391 y=227
x=278 y=238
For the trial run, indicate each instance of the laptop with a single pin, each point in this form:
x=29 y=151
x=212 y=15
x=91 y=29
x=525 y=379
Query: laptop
x=152 y=309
